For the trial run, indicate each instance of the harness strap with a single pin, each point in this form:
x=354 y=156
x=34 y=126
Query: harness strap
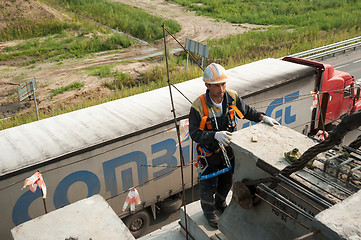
x=204 y=152
x=206 y=115
x=240 y=115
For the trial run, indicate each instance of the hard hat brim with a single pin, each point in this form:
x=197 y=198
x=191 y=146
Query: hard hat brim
x=209 y=81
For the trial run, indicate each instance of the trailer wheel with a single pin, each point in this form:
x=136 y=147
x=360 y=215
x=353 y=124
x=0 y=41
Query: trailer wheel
x=172 y=204
x=138 y=222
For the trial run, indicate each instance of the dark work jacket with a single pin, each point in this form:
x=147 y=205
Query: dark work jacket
x=206 y=136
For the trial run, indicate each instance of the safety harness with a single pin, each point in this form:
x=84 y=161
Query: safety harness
x=202 y=151
x=205 y=117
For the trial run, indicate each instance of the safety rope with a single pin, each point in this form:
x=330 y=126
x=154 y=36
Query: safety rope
x=348 y=123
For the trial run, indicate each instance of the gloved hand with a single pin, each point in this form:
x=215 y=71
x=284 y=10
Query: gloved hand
x=270 y=121
x=223 y=137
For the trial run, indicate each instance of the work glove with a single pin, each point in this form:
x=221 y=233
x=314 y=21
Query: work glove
x=270 y=121
x=223 y=137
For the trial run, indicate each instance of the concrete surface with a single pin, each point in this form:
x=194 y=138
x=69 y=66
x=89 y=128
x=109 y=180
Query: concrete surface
x=197 y=226
x=341 y=221
x=262 y=221
x=171 y=231
x=90 y=218
x=272 y=143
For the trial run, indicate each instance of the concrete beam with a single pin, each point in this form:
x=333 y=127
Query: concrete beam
x=90 y=218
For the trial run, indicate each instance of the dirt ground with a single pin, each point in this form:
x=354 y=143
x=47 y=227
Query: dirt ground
x=50 y=75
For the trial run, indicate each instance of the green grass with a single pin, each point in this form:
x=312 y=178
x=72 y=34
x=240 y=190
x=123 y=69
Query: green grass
x=27 y=29
x=55 y=48
x=151 y=79
x=317 y=14
x=275 y=43
x=74 y=85
x=122 y=17
x=293 y=26
x=82 y=35
x=100 y=71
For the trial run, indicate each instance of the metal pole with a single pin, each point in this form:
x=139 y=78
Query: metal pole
x=187 y=62
x=45 y=208
x=36 y=107
x=202 y=67
x=178 y=132
x=308 y=235
x=44 y=203
x=192 y=165
x=321 y=114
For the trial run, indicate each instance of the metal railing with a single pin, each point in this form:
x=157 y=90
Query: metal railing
x=330 y=49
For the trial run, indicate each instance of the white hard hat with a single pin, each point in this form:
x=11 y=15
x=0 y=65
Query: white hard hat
x=214 y=73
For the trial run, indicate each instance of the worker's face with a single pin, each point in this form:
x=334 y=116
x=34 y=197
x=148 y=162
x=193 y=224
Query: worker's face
x=216 y=91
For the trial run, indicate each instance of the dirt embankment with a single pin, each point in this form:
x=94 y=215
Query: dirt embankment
x=50 y=75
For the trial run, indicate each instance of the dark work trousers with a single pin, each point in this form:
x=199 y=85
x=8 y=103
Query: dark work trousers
x=213 y=191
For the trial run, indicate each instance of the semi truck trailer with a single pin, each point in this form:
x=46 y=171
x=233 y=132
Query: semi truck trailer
x=131 y=142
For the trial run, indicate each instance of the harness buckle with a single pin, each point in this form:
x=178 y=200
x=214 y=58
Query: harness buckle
x=202 y=164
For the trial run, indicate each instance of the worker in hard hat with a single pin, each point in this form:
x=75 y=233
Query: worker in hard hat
x=212 y=119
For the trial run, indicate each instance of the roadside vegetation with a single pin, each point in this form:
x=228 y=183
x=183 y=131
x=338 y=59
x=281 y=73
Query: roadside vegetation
x=63 y=46
x=28 y=29
x=289 y=27
x=95 y=26
x=122 y=17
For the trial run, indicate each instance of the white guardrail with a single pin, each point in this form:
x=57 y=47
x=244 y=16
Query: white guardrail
x=330 y=49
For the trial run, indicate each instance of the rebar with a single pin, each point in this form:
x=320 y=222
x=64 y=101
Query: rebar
x=301 y=189
x=288 y=215
x=285 y=201
x=302 y=199
x=315 y=185
x=329 y=182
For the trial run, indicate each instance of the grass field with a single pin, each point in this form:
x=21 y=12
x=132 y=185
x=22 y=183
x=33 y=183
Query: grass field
x=88 y=31
x=297 y=25
x=122 y=17
x=315 y=14
x=63 y=46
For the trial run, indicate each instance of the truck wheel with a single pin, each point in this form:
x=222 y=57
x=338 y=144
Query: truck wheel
x=172 y=204
x=137 y=223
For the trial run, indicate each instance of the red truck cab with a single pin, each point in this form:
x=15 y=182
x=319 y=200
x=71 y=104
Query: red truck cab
x=338 y=92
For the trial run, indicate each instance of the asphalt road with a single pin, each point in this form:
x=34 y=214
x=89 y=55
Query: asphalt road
x=348 y=62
